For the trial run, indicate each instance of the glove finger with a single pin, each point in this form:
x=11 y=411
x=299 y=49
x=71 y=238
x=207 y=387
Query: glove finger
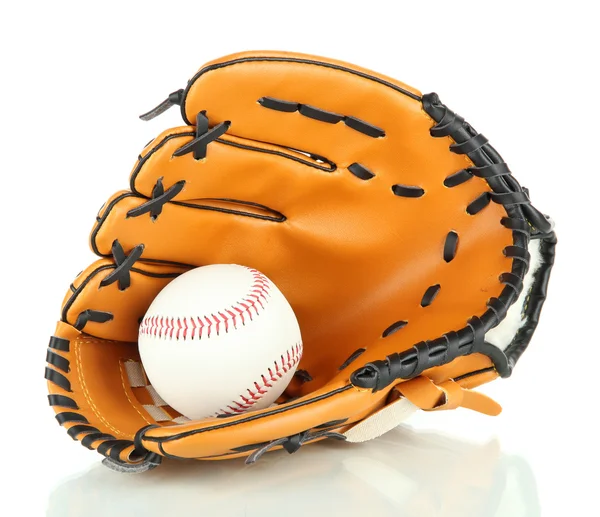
x=108 y=302
x=284 y=98
x=233 y=168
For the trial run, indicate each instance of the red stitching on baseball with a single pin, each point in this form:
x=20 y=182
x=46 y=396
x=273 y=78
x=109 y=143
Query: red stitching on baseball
x=186 y=327
x=282 y=366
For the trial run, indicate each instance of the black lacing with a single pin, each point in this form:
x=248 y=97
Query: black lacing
x=292 y=443
x=422 y=356
x=454 y=125
x=91 y=315
x=204 y=136
x=160 y=196
x=174 y=99
x=122 y=273
x=523 y=219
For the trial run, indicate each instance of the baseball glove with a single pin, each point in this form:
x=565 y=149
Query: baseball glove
x=414 y=261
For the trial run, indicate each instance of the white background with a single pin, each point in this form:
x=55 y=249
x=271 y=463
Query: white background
x=73 y=78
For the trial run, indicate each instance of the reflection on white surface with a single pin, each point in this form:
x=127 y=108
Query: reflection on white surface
x=405 y=473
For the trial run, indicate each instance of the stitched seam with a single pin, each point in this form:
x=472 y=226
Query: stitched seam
x=121 y=369
x=86 y=392
x=219 y=321
x=286 y=362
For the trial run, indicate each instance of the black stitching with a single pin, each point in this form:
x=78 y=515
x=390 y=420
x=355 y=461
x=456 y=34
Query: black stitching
x=407 y=191
x=450 y=246
x=61 y=400
x=360 y=171
x=394 y=327
x=353 y=356
x=430 y=295
x=57 y=378
x=322 y=115
x=58 y=343
x=479 y=204
x=58 y=361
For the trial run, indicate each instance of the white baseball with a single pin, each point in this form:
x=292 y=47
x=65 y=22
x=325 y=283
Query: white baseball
x=220 y=339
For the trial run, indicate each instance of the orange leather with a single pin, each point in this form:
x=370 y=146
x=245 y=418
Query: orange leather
x=350 y=256
x=427 y=395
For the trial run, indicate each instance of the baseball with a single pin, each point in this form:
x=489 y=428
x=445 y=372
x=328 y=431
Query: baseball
x=220 y=339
